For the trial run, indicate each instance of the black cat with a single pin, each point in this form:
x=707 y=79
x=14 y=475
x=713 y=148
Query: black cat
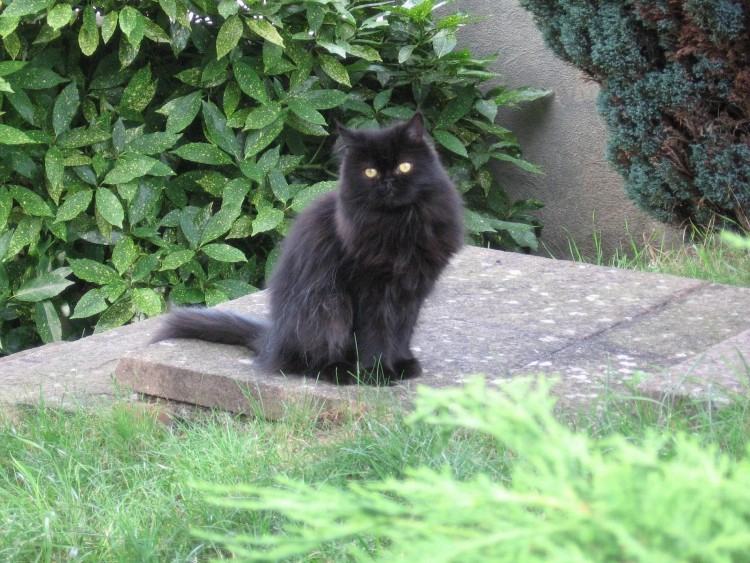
x=355 y=268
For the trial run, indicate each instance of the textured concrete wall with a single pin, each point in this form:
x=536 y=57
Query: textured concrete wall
x=563 y=134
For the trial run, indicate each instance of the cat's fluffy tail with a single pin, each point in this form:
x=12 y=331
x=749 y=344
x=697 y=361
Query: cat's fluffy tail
x=213 y=325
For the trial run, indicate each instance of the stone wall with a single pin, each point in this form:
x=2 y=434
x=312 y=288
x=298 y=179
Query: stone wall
x=563 y=134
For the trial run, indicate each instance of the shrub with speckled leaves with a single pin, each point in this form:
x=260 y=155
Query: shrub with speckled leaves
x=157 y=151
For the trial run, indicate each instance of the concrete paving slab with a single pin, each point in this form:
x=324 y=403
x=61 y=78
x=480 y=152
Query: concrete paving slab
x=718 y=374
x=497 y=314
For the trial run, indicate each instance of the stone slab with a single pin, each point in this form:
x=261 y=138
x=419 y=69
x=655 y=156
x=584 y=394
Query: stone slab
x=718 y=374
x=497 y=314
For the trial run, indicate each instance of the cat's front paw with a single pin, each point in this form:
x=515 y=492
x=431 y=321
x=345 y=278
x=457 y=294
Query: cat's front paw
x=407 y=368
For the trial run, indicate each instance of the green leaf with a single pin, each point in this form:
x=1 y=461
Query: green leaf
x=260 y=139
x=191 y=224
x=37 y=78
x=450 y=142
x=109 y=207
x=263 y=116
x=241 y=228
x=109 y=26
x=20 y=8
x=231 y=97
x=333 y=68
x=59 y=16
x=267 y=218
x=181 y=111
x=229 y=35
x=519 y=95
x=144 y=266
x=11 y=42
x=12 y=136
x=306 y=196
x=304 y=126
x=153 y=143
x=47 y=322
x=364 y=52
x=31 y=202
x=234 y=192
x=139 y=91
x=176 y=259
x=81 y=137
x=124 y=255
x=9 y=67
x=155 y=33
x=224 y=253
x=132 y=25
x=129 y=167
x=381 y=99
x=323 y=99
x=26 y=234
x=279 y=185
x=43 y=287
x=444 y=42
x=249 y=81
x=203 y=153
x=334 y=48
x=405 y=52
x=521 y=233
x=94 y=272
x=305 y=111
x=74 y=205
x=266 y=30
x=90 y=303
x=23 y=105
x=219 y=224
x=456 y=109
x=228 y=8
x=147 y=301
x=88 y=36
x=6 y=205
x=120 y=312
x=65 y=108
x=522 y=164
x=487 y=108
x=234 y=288
x=217 y=130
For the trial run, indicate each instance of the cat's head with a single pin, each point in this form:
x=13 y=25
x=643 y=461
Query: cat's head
x=390 y=167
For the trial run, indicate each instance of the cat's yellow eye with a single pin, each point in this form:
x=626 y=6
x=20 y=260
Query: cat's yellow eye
x=371 y=172
x=404 y=167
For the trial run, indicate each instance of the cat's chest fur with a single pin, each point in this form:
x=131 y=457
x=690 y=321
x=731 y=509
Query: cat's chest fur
x=391 y=244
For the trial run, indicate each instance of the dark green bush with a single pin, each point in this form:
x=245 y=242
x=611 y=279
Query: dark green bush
x=675 y=79
x=159 y=150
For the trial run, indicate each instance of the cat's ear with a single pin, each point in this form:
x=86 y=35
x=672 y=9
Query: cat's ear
x=415 y=127
x=346 y=136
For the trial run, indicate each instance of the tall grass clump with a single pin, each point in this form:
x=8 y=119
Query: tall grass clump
x=568 y=496
x=708 y=254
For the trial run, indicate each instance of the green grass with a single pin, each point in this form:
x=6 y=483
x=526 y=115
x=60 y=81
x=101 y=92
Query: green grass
x=714 y=256
x=118 y=484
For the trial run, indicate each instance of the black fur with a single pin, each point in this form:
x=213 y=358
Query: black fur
x=356 y=266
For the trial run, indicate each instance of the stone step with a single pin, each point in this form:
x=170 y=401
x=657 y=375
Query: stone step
x=497 y=314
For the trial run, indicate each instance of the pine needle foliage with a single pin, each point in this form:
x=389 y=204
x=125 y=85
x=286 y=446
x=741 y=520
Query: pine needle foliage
x=675 y=95
x=568 y=496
